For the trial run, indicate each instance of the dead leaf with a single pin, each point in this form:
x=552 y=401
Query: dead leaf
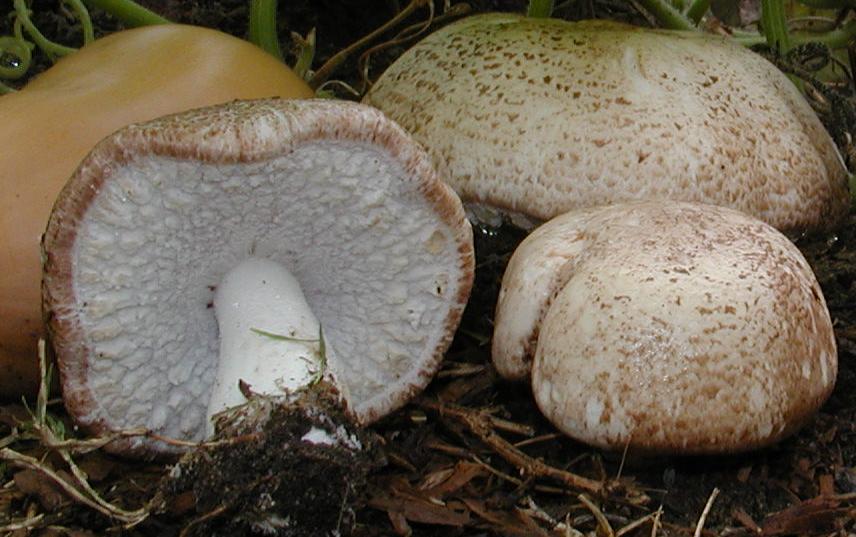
x=810 y=516
x=37 y=484
x=512 y=524
x=746 y=520
x=463 y=473
x=416 y=509
x=399 y=523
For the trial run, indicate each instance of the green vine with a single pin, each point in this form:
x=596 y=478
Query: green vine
x=53 y=50
x=263 y=27
x=16 y=50
x=774 y=23
x=130 y=13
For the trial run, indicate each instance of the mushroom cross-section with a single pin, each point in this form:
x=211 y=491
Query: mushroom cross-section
x=670 y=329
x=327 y=205
x=542 y=116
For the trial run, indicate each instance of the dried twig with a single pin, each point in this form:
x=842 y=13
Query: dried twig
x=214 y=513
x=105 y=508
x=705 y=512
x=324 y=72
x=480 y=424
x=604 y=528
x=26 y=524
x=653 y=517
x=52 y=439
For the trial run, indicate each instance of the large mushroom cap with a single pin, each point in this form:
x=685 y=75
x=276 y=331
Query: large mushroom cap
x=680 y=329
x=158 y=212
x=541 y=116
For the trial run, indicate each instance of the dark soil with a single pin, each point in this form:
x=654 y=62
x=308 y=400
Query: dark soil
x=450 y=471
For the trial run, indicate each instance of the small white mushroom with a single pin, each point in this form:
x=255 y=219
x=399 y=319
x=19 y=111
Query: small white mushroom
x=542 y=116
x=280 y=220
x=672 y=329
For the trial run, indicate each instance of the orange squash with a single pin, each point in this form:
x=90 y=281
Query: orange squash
x=53 y=122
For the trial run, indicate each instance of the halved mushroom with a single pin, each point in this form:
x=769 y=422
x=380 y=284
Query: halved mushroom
x=167 y=225
x=541 y=116
x=679 y=328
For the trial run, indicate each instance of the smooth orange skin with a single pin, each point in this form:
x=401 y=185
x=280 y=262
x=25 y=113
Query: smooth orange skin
x=53 y=122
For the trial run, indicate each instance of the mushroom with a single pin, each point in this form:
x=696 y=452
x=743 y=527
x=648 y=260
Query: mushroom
x=679 y=328
x=51 y=124
x=541 y=116
x=224 y=233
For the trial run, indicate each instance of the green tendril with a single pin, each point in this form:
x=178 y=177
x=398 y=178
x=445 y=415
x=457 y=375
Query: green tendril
x=53 y=50
x=15 y=58
x=82 y=15
x=263 y=27
x=540 y=9
x=130 y=13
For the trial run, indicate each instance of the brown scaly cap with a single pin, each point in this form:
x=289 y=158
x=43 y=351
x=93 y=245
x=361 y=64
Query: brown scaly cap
x=681 y=328
x=159 y=211
x=541 y=116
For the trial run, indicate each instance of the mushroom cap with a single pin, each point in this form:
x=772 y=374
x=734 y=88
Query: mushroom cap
x=672 y=329
x=158 y=212
x=542 y=116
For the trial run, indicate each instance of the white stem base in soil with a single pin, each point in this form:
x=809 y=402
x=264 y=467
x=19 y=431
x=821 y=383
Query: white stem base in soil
x=269 y=337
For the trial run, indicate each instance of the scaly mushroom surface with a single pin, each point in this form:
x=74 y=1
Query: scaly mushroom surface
x=334 y=194
x=542 y=116
x=679 y=328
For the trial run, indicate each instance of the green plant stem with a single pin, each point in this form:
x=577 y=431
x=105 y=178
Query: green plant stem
x=774 y=23
x=834 y=39
x=53 y=50
x=129 y=12
x=82 y=15
x=697 y=10
x=667 y=15
x=263 y=26
x=540 y=9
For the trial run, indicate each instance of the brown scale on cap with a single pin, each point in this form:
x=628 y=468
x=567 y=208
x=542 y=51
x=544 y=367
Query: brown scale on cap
x=541 y=116
x=683 y=329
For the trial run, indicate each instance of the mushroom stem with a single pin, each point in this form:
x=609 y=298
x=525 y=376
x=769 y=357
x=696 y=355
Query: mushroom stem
x=269 y=338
